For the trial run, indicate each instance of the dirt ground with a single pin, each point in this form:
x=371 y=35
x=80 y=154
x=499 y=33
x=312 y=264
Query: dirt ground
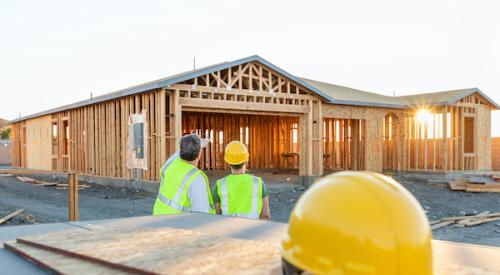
x=48 y=204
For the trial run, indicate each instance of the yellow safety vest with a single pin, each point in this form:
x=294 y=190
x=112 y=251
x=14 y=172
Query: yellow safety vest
x=240 y=196
x=175 y=179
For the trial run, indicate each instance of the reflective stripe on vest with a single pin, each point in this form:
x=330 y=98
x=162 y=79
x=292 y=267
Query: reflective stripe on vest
x=163 y=169
x=254 y=214
x=175 y=202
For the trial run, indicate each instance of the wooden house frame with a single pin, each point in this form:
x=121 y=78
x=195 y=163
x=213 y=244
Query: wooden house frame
x=288 y=123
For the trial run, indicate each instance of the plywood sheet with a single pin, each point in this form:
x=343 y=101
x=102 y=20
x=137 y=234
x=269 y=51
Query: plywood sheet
x=60 y=263
x=165 y=250
x=483 y=138
x=39 y=143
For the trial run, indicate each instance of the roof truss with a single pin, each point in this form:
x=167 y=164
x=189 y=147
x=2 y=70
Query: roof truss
x=252 y=76
x=476 y=98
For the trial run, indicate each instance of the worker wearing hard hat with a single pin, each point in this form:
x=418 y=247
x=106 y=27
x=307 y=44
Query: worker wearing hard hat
x=240 y=194
x=183 y=187
x=357 y=223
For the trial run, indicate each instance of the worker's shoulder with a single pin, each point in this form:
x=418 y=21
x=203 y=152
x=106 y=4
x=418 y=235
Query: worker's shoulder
x=257 y=178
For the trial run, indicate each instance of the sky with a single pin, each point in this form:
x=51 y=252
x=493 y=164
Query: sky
x=54 y=53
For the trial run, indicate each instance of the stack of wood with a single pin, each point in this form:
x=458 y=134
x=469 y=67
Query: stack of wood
x=489 y=183
x=147 y=251
x=25 y=171
x=466 y=221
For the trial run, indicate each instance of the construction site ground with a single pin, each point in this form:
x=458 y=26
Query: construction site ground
x=48 y=204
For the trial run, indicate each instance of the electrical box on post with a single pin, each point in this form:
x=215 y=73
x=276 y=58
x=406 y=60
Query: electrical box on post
x=139 y=140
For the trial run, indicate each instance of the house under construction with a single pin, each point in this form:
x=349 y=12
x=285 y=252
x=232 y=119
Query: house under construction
x=287 y=122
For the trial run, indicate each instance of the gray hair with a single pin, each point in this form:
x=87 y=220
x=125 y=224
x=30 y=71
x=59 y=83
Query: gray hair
x=190 y=147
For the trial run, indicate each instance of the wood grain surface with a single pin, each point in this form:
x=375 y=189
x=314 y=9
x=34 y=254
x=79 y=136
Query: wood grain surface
x=164 y=251
x=60 y=263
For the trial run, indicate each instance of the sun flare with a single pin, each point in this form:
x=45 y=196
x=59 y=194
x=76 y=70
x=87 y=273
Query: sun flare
x=424 y=116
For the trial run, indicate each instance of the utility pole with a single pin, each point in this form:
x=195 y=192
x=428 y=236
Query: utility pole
x=194 y=63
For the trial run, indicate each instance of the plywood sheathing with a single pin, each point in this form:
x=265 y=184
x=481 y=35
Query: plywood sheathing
x=38 y=143
x=158 y=251
x=483 y=138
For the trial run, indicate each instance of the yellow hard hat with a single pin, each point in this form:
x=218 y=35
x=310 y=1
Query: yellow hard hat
x=357 y=223
x=236 y=153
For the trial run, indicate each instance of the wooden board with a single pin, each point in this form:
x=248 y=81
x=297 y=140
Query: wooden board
x=11 y=215
x=164 y=250
x=38 y=143
x=59 y=263
x=449 y=257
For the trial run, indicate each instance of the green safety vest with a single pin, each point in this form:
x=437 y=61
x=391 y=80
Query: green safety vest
x=175 y=179
x=240 y=196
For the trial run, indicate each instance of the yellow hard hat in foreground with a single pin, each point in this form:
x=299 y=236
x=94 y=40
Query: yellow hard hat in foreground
x=357 y=223
x=236 y=153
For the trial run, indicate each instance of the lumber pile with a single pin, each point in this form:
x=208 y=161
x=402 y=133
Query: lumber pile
x=466 y=221
x=60 y=186
x=36 y=182
x=476 y=184
x=25 y=171
x=64 y=186
x=147 y=251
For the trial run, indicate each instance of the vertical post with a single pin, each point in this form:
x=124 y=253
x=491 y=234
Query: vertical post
x=175 y=121
x=402 y=140
x=163 y=125
x=445 y=138
x=355 y=144
x=317 y=137
x=426 y=126
x=462 y=139
x=309 y=140
x=306 y=145
x=417 y=141
x=73 y=196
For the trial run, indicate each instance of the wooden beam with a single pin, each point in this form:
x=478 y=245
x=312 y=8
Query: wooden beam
x=241 y=105
x=235 y=91
x=445 y=138
x=73 y=196
x=219 y=80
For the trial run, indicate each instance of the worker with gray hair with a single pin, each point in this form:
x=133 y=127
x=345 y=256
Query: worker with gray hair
x=183 y=187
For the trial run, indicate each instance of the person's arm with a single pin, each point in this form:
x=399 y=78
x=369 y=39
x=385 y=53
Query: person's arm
x=215 y=196
x=217 y=208
x=265 y=214
x=198 y=195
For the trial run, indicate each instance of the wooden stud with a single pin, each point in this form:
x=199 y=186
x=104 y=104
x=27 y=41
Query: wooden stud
x=73 y=196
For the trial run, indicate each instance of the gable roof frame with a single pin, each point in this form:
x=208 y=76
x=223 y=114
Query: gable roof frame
x=171 y=80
